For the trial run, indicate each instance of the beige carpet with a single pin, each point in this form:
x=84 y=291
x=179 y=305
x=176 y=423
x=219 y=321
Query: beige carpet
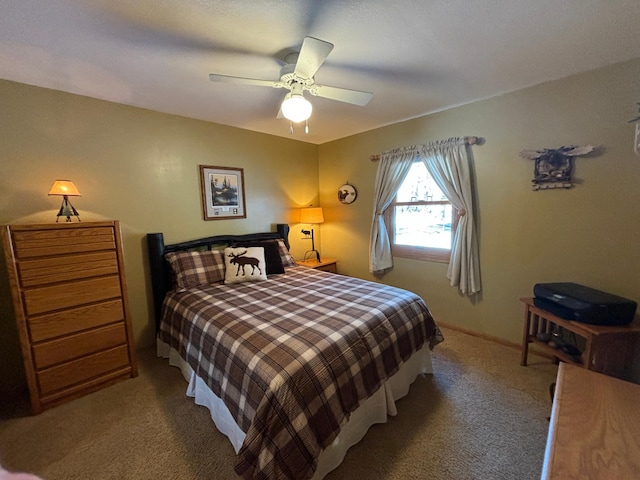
x=480 y=416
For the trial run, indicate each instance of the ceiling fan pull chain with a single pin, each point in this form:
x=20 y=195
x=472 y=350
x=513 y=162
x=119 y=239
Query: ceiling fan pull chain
x=290 y=128
x=306 y=127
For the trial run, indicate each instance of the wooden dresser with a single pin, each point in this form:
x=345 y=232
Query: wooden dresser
x=70 y=302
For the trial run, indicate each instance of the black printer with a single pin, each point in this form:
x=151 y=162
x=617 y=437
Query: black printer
x=573 y=301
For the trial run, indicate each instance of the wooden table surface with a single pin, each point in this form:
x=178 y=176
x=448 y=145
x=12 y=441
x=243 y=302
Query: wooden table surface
x=595 y=427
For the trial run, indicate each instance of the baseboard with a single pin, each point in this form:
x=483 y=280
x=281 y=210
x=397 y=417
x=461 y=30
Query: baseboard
x=491 y=338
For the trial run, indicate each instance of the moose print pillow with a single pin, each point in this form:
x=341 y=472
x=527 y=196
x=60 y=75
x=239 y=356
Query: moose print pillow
x=244 y=264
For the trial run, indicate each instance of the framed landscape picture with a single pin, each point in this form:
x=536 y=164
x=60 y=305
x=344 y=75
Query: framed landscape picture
x=222 y=192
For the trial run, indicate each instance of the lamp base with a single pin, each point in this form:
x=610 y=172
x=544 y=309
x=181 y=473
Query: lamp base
x=314 y=253
x=67 y=210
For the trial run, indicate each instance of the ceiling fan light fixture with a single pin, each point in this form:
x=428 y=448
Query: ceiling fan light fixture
x=296 y=108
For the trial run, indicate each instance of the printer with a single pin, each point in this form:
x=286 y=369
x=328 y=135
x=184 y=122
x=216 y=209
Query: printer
x=572 y=301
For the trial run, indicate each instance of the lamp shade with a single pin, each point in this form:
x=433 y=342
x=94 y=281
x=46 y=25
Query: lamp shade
x=296 y=108
x=64 y=187
x=311 y=215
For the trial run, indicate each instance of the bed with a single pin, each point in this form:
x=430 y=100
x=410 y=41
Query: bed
x=294 y=364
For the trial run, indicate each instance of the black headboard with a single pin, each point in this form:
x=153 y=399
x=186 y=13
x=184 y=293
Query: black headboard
x=161 y=281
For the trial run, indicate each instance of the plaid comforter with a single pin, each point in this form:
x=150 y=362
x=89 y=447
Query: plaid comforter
x=293 y=356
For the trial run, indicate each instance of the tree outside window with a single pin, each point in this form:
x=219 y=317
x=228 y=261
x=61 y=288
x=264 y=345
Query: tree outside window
x=421 y=220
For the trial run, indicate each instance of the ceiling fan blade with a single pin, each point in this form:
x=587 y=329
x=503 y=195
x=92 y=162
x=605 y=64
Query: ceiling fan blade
x=354 y=97
x=214 y=77
x=312 y=55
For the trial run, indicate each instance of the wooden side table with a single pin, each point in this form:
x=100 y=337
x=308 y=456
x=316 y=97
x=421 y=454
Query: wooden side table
x=594 y=427
x=607 y=350
x=326 y=265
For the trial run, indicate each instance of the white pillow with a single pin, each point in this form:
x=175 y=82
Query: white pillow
x=244 y=264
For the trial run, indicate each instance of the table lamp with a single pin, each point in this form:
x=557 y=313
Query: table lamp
x=67 y=189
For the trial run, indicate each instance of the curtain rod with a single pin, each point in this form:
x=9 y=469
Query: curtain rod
x=467 y=140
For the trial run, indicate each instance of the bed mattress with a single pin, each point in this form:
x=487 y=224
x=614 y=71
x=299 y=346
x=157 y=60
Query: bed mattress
x=293 y=356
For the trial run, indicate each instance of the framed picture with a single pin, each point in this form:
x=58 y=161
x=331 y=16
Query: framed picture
x=222 y=192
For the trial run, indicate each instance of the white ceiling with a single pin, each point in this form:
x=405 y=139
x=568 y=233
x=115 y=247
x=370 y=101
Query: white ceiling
x=416 y=56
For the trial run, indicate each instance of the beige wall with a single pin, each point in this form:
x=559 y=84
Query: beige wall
x=588 y=234
x=141 y=168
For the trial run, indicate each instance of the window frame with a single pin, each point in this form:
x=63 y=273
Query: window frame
x=431 y=254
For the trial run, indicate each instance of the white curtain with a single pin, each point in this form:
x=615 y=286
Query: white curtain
x=448 y=164
x=392 y=170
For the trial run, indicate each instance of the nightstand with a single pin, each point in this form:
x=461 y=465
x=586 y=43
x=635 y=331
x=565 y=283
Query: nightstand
x=326 y=265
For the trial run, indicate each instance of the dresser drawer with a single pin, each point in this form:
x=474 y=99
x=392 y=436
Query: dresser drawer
x=78 y=345
x=82 y=369
x=46 y=299
x=56 y=324
x=42 y=271
x=49 y=242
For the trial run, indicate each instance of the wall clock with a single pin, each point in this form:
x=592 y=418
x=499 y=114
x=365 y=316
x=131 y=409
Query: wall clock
x=347 y=193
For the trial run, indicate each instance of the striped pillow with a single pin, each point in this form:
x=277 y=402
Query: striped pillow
x=287 y=259
x=194 y=268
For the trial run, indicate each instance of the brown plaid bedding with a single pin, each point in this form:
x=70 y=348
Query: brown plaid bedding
x=293 y=356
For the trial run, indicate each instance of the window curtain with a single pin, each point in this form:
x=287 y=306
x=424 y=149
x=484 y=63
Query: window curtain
x=392 y=170
x=448 y=164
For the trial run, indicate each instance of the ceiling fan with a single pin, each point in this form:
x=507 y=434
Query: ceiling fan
x=297 y=75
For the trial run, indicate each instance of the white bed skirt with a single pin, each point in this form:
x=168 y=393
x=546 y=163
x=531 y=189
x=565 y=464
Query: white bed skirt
x=373 y=410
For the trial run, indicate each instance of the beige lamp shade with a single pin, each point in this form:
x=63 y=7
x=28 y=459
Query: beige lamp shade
x=311 y=215
x=64 y=187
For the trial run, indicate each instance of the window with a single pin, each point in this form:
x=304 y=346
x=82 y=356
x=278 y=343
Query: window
x=420 y=219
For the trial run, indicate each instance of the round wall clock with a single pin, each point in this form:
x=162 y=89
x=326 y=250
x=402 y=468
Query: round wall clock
x=347 y=194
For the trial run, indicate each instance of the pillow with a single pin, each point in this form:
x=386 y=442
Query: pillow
x=287 y=259
x=194 y=268
x=271 y=254
x=244 y=264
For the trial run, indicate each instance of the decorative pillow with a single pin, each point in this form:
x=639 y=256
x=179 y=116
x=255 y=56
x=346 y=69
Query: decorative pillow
x=271 y=254
x=287 y=259
x=244 y=264
x=194 y=268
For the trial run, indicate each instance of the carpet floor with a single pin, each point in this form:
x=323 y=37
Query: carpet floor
x=479 y=416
